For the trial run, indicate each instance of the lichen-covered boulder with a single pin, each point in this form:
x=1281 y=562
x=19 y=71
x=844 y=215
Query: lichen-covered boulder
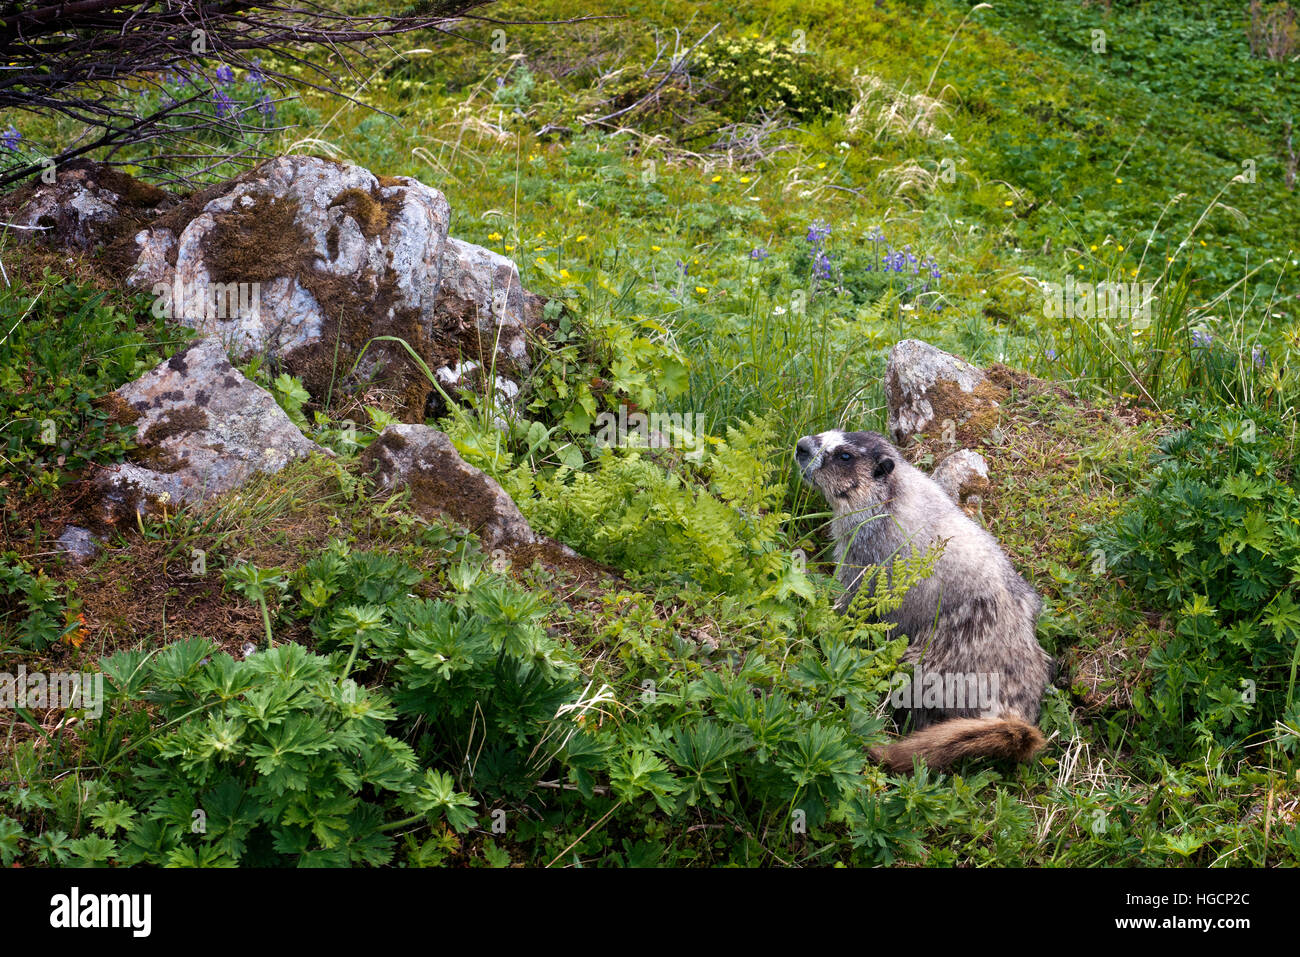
x=82 y=205
x=202 y=429
x=317 y=265
x=424 y=460
x=929 y=391
x=306 y=260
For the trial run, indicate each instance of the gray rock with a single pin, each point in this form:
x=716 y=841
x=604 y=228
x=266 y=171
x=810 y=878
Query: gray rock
x=290 y=226
x=202 y=428
x=928 y=390
x=441 y=482
x=962 y=474
x=481 y=289
x=86 y=205
x=78 y=544
x=464 y=375
x=469 y=376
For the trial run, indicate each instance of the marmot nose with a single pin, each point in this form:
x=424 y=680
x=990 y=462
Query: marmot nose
x=803 y=449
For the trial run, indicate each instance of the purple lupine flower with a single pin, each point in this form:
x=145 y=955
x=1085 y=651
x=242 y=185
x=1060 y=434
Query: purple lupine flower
x=10 y=139
x=255 y=74
x=501 y=81
x=686 y=270
x=222 y=102
x=818 y=231
x=225 y=75
x=1050 y=355
x=1200 y=339
x=266 y=106
x=822 y=266
x=758 y=252
x=1258 y=356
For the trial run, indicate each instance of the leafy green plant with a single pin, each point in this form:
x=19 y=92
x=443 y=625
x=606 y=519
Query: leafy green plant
x=31 y=607
x=270 y=760
x=262 y=585
x=63 y=346
x=1214 y=540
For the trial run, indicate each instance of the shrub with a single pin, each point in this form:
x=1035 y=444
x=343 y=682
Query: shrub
x=274 y=760
x=757 y=75
x=1215 y=540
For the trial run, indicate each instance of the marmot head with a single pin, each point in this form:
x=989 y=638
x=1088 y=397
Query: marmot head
x=854 y=470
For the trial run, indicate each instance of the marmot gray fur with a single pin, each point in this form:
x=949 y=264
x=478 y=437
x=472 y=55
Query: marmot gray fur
x=972 y=620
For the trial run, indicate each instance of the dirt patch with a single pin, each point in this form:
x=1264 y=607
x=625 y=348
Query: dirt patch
x=554 y=558
x=146 y=592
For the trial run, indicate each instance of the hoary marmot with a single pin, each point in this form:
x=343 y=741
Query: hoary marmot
x=970 y=624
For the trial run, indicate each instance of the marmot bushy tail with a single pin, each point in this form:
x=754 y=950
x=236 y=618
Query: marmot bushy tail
x=949 y=741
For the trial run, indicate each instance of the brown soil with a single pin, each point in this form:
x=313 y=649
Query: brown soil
x=552 y=557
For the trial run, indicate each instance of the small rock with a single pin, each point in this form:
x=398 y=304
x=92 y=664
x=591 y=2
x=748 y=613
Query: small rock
x=202 y=429
x=441 y=482
x=469 y=376
x=927 y=390
x=962 y=475
x=78 y=543
x=462 y=376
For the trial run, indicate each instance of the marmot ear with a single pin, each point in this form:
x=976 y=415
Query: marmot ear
x=883 y=468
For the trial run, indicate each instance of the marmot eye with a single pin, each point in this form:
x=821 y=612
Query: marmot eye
x=846 y=456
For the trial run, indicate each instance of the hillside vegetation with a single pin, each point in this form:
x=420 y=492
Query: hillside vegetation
x=736 y=211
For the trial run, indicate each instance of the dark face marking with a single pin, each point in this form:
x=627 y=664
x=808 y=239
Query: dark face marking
x=845 y=465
